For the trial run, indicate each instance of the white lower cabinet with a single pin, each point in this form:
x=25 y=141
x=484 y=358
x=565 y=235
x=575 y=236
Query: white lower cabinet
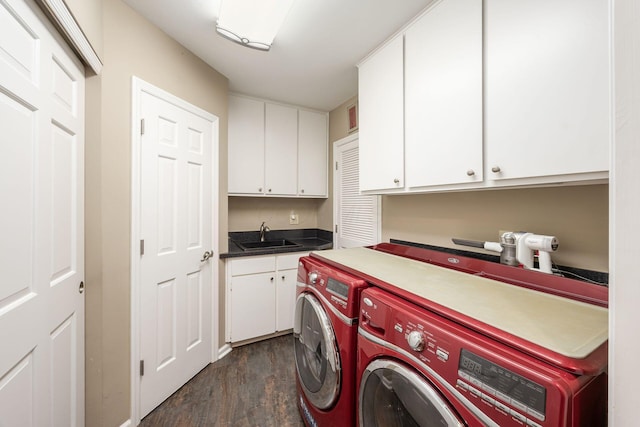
x=261 y=293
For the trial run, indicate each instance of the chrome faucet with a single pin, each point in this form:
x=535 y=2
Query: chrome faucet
x=263 y=229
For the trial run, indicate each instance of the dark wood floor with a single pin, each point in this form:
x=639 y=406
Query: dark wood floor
x=254 y=385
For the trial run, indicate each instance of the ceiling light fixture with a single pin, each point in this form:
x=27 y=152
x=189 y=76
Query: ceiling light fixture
x=252 y=23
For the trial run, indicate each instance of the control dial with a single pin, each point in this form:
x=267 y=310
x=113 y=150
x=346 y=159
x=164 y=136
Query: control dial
x=416 y=340
x=313 y=277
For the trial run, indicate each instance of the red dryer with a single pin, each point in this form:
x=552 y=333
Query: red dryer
x=325 y=333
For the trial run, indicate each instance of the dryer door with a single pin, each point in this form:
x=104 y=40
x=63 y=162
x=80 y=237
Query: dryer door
x=393 y=395
x=316 y=352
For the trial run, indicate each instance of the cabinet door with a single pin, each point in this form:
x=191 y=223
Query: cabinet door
x=312 y=154
x=547 y=87
x=253 y=306
x=443 y=95
x=246 y=146
x=281 y=154
x=381 y=127
x=285 y=298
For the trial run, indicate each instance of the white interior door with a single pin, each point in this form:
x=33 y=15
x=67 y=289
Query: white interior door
x=42 y=223
x=356 y=216
x=176 y=225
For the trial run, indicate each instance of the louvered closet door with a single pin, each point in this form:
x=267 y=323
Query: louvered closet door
x=357 y=216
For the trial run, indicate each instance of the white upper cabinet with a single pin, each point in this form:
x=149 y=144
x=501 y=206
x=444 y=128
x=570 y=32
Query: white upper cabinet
x=276 y=150
x=281 y=150
x=381 y=119
x=547 y=89
x=443 y=96
x=493 y=93
x=312 y=153
x=246 y=146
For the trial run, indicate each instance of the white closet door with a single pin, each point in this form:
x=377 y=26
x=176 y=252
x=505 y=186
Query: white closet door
x=42 y=227
x=176 y=225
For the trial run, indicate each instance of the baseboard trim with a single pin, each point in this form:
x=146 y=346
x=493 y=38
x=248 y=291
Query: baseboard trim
x=127 y=423
x=224 y=350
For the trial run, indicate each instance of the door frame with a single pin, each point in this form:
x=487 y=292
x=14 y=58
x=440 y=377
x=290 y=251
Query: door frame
x=138 y=87
x=336 y=184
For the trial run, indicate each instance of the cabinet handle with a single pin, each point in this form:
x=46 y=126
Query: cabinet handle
x=269 y=190
x=302 y=191
x=260 y=190
x=495 y=169
x=396 y=181
x=81 y=286
x=470 y=172
x=282 y=277
x=271 y=279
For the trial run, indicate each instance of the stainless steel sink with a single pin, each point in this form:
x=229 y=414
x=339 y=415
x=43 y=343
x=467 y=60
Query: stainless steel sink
x=267 y=244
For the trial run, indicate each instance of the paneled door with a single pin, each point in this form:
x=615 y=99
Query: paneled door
x=41 y=223
x=176 y=248
x=356 y=216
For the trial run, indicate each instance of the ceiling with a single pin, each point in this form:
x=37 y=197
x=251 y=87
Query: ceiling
x=312 y=61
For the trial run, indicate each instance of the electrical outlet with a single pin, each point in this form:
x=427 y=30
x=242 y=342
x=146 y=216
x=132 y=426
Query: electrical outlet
x=293 y=218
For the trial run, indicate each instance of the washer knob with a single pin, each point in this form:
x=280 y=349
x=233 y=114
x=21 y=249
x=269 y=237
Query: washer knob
x=416 y=340
x=313 y=278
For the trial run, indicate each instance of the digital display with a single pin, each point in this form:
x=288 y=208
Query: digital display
x=338 y=288
x=503 y=381
x=471 y=365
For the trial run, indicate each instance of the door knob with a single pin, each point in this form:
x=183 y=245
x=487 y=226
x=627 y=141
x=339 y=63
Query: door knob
x=206 y=256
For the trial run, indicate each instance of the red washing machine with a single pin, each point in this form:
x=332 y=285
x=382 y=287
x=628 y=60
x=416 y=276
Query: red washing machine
x=325 y=335
x=419 y=369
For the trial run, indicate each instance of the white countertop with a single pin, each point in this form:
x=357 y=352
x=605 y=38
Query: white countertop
x=570 y=328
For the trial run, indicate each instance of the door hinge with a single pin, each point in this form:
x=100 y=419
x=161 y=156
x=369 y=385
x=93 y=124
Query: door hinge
x=336 y=228
x=336 y=165
x=141 y=126
x=142 y=368
x=141 y=247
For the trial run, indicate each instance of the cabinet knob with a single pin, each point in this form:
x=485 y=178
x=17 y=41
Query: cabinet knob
x=271 y=279
x=495 y=169
x=269 y=190
x=396 y=181
x=471 y=172
x=302 y=191
x=260 y=190
x=282 y=277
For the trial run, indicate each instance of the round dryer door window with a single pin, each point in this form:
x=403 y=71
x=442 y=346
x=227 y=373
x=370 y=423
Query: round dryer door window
x=393 y=395
x=316 y=352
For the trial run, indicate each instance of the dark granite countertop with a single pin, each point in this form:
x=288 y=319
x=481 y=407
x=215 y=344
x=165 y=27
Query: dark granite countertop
x=307 y=239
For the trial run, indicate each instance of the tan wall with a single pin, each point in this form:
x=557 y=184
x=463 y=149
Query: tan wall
x=247 y=213
x=132 y=46
x=88 y=14
x=338 y=129
x=577 y=216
